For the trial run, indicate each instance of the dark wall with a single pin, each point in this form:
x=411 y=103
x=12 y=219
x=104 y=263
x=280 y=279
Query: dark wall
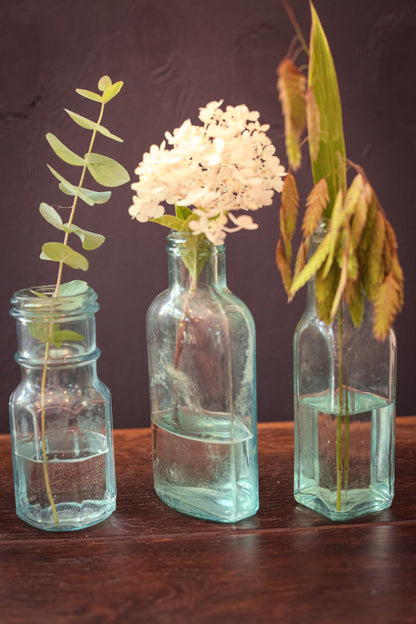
x=174 y=57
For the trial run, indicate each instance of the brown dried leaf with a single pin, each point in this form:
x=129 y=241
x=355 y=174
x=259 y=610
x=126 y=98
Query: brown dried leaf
x=315 y=205
x=344 y=274
x=335 y=228
x=314 y=123
x=375 y=273
x=386 y=306
x=301 y=257
x=354 y=297
x=390 y=234
x=353 y=195
x=326 y=287
x=365 y=244
x=283 y=266
x=289 y=212
x=291 y=85
x=360 y=217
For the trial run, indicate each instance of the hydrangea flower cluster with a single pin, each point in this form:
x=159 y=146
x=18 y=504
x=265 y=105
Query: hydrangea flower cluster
x=226 y=164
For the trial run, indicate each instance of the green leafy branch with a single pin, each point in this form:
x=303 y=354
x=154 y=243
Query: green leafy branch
x=358 y=256
x=106 y=172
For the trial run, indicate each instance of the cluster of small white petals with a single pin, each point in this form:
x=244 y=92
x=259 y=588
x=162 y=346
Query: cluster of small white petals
x=228 y=164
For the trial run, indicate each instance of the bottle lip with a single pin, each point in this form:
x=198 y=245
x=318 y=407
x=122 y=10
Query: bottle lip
x=176 y=238
x=26 y=303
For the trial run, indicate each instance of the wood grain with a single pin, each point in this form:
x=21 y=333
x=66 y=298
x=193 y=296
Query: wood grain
x=150 y=564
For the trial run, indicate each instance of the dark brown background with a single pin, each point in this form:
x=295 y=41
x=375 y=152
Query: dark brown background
x=174 y=57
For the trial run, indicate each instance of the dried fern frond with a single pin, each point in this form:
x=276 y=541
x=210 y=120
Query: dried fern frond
x=291 y=85
x=375 y=258
x=283 y=266
x=355 y=300
x=326 y=287
x=360 y=217
x=315 y=205
x=386 y=306
x=301 y=257
x=344 y=273
x=289 y=213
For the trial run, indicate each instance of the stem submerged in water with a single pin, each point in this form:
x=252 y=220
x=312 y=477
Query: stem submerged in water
x=343 y=418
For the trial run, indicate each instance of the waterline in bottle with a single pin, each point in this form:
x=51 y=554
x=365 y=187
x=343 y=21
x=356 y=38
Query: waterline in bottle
x=203 y=466
x=367 y=440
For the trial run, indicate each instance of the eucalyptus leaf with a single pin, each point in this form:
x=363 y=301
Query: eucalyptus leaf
x=94 y=197
x=63 y=152
x=90 y=240
x=105 y=132
x=40 y=331
x=71 y=189
x=112 y=91
x=58 y=337
x=72 y=288
x=107 y=171
x=51 y=215
x=82 y=121
x=58 y=252
x=104 y=83
x=88 y=124
x=90 y=95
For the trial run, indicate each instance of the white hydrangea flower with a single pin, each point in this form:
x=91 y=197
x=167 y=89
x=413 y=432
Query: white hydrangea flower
x=226 y=165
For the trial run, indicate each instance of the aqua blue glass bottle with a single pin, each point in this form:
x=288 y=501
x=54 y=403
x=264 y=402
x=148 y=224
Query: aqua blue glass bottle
x=345 y=394
x=60 y=414
x=201 y=350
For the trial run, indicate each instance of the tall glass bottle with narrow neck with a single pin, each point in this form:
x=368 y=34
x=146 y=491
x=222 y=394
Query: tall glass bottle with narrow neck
x=201 y=349
x=345 y=392
x=60 y=414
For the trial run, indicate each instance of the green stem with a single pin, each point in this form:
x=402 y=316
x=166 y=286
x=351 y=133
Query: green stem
x=340 y=410
x=47 y=347
x=343 y=417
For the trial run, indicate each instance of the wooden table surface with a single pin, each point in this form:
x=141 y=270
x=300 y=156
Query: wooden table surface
x=149 y=564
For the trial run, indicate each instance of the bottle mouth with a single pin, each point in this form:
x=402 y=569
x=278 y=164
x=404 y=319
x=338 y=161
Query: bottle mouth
x=175 y=239
x=39 y=302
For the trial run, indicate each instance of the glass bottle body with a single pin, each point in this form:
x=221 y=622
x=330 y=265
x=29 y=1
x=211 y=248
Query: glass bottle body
x=344 y=388
x=201 y=349
x=60 y=415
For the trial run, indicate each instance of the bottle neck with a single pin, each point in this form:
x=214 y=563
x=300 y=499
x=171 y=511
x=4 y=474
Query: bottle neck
x=195 y=263
x=56 y=332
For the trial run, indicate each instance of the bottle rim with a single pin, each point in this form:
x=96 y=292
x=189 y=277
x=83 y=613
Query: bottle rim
x=175 y=238
x=39 y=302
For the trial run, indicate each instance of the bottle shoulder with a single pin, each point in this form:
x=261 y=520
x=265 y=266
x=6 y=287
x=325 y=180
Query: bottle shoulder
x=217 y=307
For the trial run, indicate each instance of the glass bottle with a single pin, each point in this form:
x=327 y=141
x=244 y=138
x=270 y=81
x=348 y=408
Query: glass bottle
x=201 y=349
x=60 y=414
x=344 y=387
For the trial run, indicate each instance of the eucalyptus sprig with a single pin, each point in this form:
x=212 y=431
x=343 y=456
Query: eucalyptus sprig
x=358 y=256
x=104 y=170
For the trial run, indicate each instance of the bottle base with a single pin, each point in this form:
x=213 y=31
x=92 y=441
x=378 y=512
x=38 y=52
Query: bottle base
x=203 y=503
x=358 y=504
x=70 y=516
